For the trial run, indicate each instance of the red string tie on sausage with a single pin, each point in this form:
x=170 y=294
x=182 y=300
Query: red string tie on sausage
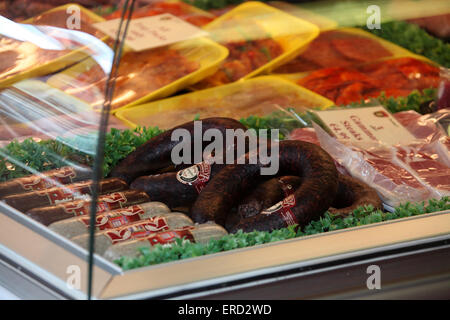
x=283 y=209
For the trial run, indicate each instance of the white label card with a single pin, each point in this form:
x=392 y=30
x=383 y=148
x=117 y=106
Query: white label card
x=152 y=32
x=369 y=124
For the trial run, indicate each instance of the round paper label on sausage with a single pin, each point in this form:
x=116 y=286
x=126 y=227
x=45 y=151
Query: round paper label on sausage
x=188 y=175
x=197 y=175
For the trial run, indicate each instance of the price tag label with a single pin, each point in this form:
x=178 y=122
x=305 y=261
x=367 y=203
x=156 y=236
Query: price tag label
x=152 y=32
x=369 y=124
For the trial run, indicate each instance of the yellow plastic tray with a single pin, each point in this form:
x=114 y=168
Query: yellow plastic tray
x=320 y=21
x=208 y=53
x=395 y=50
x=229 y=100
x=193 y=9
x=295 y=77
x=190 y=9
x=58 y=63
x=292 y=33
x=399 y=53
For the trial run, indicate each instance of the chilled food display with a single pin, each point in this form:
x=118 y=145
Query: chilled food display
x=202 y=234
x=339 y=48
x=253 y=97
x=139 y=73
x=22 y=59
x=134 y=231
x=20 y=10
x=396 y=77
x=322 y=22
x=415 y=170
x=54 y=195
x=17 y=56
x=244 y=57
x=142 y=75
x=156 y=154
x=107 y=220
x=72 y=209
x=415 y=39
x=179 y=9
x=342 y=154
x=351 y=194
x=214 y=199
x=58 y=18
x=45 y=180
x=259 y=38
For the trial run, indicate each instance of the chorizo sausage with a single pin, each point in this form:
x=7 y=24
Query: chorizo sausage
x=105 y=203
x=47 y=197
x=155 y=154
x=45 y=180
x=351 y=194
x=309 y=201
x=76 y=226
x=200 y=234
x=142 y=229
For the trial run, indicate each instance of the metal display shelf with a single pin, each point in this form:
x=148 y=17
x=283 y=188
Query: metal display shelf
x=413 y=254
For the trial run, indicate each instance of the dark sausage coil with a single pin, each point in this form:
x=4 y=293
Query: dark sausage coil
x=312 y=198
x=351 y=194
x=174 y=188
x=266 y=194
x=155 y=154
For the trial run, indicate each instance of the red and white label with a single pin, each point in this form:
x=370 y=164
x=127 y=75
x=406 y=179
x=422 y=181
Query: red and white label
x=110 y=202
x=287 y=188
x=67 y=193
x=105 y=203
x=117 y=218
x=283 y=209
x=138 y=231
x=170 y=236
x=197 y=175
x=62 y=176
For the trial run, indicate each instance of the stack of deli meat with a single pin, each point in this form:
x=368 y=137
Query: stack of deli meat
x=415 y=171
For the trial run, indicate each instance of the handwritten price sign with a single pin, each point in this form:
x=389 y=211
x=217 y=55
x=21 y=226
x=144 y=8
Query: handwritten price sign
x=152 y=32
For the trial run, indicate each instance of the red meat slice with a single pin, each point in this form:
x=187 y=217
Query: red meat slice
x=426 y=167
x=351 y=93
x=305 y=134
x=309 y=135
x=360 y=49
x=323 y=54
x=299 y=64
x=389 y=177
x=407 y=117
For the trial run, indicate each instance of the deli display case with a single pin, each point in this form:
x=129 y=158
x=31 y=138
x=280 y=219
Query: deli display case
x=101 y=199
